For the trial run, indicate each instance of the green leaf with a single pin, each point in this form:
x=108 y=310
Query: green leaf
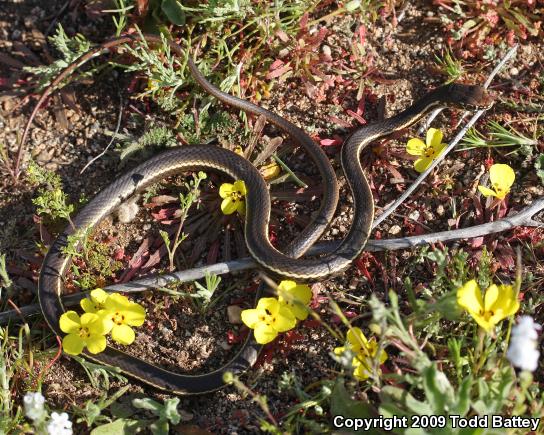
x=539 y=166
x=148 y=404
x=171 y=410
x=462 y=404
x=438 y=390
x=342 y=403
x=174 y=12
x=118 y=427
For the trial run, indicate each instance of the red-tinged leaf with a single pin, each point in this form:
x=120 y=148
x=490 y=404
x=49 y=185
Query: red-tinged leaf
x=278 y=72
x=164 y=213
x=282 y=35
x=159 y=200
x=476 y=242
x=359 y=119
x=339 y=122
x=272 y=236
x=276 y=64
x=233 y=338
x=362 y=34
x=119 y=254
x=362 y=265
x=330 y=142
x=311 y=323
x=304 y=20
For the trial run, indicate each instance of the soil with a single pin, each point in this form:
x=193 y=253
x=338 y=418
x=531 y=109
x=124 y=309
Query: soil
x=73 y=129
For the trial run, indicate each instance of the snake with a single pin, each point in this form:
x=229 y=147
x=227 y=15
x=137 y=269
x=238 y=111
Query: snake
x=290 y=262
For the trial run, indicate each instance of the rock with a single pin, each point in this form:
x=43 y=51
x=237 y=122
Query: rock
x=234 y=313
x=395 y=229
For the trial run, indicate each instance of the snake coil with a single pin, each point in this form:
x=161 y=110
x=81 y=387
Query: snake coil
x=286 y=263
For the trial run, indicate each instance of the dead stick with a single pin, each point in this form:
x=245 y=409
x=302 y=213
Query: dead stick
x=523 y=218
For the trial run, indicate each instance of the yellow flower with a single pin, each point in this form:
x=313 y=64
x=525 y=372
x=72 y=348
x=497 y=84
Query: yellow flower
x=426 y=151
x=233 y=197
x=96 y=301
x=270 y=171
x=88 y=331
x=498 y=303
x=120 y=314
x=295 y=297
x=268 y=319
x=365 y=352
x=501 y=177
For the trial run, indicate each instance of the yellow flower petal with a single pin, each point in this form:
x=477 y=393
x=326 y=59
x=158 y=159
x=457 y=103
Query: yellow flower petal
x=134 y=314
x=240 y=187
x=98 y=295
x=250 y=317
x=96 y=343
x=357 y=339
x=69 y=322
x=295 y=297
x=225 y=190
x=268 y=304
x=486 y=191
x=123 y=334
x=434 y=137
x=500 y=302
x=270 y=171
x=502 y=175
x=228 y=206
x=439 y=149
x=264 y=333
x=416 y=147
x=88 y=306
x=339 y=350
x=470 y=297
x=284 y=320
x=422 y=164
x=72 y=344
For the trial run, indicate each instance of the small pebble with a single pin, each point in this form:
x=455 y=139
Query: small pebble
x=395 y=229
x=234 y=313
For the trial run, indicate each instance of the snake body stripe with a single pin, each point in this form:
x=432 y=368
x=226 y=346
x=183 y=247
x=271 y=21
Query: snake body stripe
x=194 y=157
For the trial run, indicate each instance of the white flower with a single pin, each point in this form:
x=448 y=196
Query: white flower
x=59 y=424
x=33 y=403
x=522 y=351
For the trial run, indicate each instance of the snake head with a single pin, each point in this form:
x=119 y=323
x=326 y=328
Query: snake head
x=468 y=96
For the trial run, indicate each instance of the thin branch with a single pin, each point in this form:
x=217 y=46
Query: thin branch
x=523 y=218
x=443 y=155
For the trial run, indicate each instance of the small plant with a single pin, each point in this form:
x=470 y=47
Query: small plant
x=166 y=413
x=499 y=137
x=51 y=200
x=69 y=48
x=186 y=202
x=93 y=262
x=204 y=294
x=450 y=66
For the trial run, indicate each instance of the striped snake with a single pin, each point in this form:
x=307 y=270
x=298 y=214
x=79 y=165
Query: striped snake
x=209 y=157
